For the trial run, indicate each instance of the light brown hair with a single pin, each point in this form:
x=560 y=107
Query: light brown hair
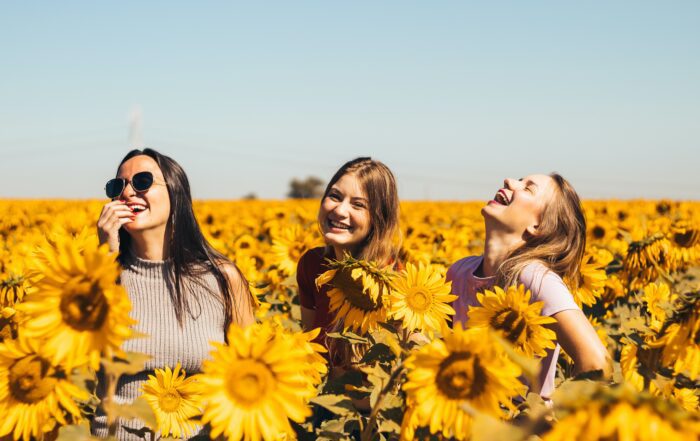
x=383 y=241
x=560 y=241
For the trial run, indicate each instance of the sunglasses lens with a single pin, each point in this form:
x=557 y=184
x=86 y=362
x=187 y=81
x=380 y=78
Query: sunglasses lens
x=142 y=181
x=114 y=188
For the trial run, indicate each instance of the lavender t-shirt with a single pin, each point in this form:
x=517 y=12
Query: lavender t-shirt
x=545 y=286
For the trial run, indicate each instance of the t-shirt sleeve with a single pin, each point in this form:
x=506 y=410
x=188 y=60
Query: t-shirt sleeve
x=307 y=286
x=547 y=287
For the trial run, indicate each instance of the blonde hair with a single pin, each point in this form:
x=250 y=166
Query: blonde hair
x=383 y=241
x=560 y=241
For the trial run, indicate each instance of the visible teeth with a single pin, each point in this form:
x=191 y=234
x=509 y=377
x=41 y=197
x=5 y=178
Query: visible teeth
x=338 y=225
x=137 y=208
x=502 y=199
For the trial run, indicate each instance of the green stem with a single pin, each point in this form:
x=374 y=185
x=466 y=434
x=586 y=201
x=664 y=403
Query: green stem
x=369 y=428
x=109 y=400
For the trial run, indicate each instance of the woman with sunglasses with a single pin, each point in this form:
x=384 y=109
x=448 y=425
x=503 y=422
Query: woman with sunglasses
x=184 y=293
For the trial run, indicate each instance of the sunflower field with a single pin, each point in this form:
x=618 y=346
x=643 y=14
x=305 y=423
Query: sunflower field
x=65 y=316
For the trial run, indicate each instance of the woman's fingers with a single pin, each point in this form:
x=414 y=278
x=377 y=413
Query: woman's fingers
x=114 y=214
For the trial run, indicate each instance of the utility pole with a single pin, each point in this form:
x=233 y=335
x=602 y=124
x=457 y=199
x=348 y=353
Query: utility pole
x=136 y=128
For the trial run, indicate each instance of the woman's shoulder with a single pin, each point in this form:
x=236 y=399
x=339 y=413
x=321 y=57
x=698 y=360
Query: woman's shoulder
x=548 y=287
x=536 y=273
x=463 y=266
x=313 y=258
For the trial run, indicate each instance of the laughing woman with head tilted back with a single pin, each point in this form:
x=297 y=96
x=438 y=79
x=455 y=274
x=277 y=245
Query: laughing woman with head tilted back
x=184 y=294
x=535 y=236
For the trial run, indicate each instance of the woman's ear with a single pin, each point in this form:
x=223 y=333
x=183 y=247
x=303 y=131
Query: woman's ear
x=531 y=231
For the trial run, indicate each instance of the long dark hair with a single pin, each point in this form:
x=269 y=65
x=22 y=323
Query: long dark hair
x=190 y=253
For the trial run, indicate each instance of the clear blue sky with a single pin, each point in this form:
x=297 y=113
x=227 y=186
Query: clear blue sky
x=453 y=96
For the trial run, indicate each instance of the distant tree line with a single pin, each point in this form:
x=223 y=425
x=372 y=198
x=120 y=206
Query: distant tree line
x=309 y=188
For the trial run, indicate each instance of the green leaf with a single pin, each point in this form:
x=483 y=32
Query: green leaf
x=488 y=428
x=378 y=378
x=338 y=404
x=378 y=353
x=390 y=426
x=349 y=336
x=338 y=385
x=132 y=364
x=139 y=408
x=76 y=433
x=333 y=430
x=529 y=366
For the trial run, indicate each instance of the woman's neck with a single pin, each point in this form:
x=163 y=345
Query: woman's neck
x=497 y=247
x=340 y=252
x=146 y=246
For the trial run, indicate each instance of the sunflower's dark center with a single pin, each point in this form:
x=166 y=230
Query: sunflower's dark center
x=84 y=307
x=598 y=232
x=510 y=322
x=461 y=376
x=688 y=239
x=419 y=299
x=169 y=401
x=31 y=379
x=249 y=382
x=353 y=291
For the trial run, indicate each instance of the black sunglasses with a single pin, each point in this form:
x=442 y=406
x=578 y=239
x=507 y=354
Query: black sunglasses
x=140 y=182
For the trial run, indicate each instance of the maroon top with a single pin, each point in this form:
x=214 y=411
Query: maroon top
x=311 y=265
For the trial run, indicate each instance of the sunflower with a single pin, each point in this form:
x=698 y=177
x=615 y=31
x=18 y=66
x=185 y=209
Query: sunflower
x=289 y=244
x=646 y=259
x=658 y=298
x=251 y=389
x=469 y=368
x=76 y=306
x=685 y=240
x=592 y=412
x=360 y=291
x=601 y=230
x=174 y=399
x=680 y=336
x=592 y=277
x=34 y=394
x=511 y=314
x=14 y=282
x=421 y=298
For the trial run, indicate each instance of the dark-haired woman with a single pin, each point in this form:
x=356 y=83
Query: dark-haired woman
x=184 y=294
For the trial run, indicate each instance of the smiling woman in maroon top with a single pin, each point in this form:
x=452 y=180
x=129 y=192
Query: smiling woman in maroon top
x=359 y=215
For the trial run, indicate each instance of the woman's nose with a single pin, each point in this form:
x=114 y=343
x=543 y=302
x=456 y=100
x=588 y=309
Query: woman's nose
x=128 y=190
x=508 y=183
x=341 y=209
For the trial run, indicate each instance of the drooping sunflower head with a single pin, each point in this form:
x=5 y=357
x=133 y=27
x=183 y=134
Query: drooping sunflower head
x=591 y=277
x=253 y=388
x=511 y=314
x=645 y=257
x=34 y=392
x=467 y=367
x=359 y=294
x=685 y=240
x=421 y=298
x=14 y=281
x=679 y=336
x=76 y=305
x=175 y=400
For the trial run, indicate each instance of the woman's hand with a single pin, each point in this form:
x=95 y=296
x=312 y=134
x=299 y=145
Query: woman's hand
x=114 y=215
